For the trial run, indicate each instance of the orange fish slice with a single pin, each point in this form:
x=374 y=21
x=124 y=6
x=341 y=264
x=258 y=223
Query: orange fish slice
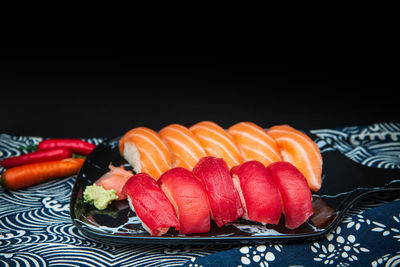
x=184 y=145
x=217 y=142
x=255 y=143
x=145 y=151
x=298 y=149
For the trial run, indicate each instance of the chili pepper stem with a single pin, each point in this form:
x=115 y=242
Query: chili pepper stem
x=29 y=148
x=77 y=156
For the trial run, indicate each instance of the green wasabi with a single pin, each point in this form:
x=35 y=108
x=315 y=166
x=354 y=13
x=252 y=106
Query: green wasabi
x=98 y=196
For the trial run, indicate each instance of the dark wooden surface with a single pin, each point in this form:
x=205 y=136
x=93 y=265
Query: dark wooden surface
x=105 y=90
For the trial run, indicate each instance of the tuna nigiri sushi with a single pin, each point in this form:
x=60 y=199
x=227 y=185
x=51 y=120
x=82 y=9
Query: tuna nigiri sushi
x=115 y=179
x=217 y=142
x=298 y=149
x=255 y=143
x=188 y=196
x=258 y=192
x=145 y=151
x=223 y=197
x=295 y=193
x=150 y=204
x=185 y=147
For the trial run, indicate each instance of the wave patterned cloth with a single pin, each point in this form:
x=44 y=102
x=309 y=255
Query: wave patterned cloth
x=377 y=145
x=36 y=229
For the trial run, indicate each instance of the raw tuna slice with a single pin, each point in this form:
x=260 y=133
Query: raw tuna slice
x=188 y=196
x=295 y=193
x=150 y=204
x=258 y=192
x=223 y=197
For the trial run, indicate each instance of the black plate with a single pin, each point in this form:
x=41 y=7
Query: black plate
x=344 y=183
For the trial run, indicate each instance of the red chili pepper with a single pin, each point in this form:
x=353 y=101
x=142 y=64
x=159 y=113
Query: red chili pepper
x=38 y=156
x=76 y=145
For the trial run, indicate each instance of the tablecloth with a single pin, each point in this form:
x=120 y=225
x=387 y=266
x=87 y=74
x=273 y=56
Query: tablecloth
x=36 y=229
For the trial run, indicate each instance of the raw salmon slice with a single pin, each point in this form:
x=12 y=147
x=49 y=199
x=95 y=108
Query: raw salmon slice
x=217 y=142
x=298 y=149
x=188 y=196
x=255 y=143
x=295 y=193
x=115 y=179
x=185 y=147
x=224 y=199
x=145 y=151
x=150 y=204
x=258 y=192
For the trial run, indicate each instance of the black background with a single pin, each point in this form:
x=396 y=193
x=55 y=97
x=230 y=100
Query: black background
x=104 y=90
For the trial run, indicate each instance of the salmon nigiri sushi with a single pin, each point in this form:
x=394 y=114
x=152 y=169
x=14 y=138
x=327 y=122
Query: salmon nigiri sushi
x=145 y=151
x=185 y=147
x=295 y=193
x=298 y=149
x=255 y=143
x=217 y=142
x=115 y=179
x=188 y=196
x=150 y=204
x=258 y=192
x=224 y=199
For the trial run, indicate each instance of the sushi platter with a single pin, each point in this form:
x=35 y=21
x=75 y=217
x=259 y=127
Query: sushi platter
x=342 y=183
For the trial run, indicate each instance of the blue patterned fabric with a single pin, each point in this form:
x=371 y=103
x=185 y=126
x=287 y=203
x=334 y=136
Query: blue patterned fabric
x=377 y=145
x=367 y=239
x=36 y=230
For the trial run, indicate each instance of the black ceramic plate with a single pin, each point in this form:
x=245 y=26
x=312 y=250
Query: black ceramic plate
x=344 y=183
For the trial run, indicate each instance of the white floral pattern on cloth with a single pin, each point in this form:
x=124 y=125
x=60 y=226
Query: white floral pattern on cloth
x=258 y=255
x=356 y=222
x=385 y=230
x=352 y=243
x=342 y=249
